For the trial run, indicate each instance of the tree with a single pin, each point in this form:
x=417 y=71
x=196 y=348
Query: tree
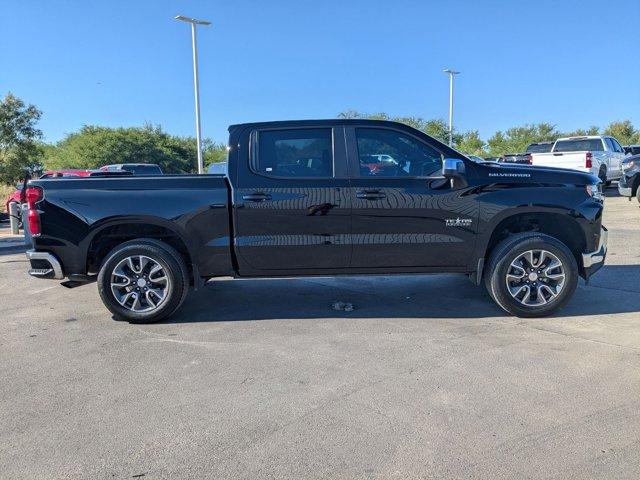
x=472 y=144
x=581 y=132
x=214 y=152
x=516 y=139
x=436 y=128
x=624 y=132
x=93 y=146
x=19 y=147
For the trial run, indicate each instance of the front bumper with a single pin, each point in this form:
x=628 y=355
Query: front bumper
x=44 y=265
x=593 y=261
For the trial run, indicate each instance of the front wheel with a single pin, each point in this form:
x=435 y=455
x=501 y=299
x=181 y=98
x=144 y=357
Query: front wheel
x=143 y=281
x=531 y=274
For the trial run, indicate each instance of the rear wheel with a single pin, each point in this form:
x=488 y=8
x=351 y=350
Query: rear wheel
x=531 y=274
x=143 y=281
x=602 y=175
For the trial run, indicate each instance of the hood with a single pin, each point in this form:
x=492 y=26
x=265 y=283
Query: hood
x=519 y=173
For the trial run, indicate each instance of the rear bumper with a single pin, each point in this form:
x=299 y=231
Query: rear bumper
x=44 y=265
x=625 y=186
x=593 y=261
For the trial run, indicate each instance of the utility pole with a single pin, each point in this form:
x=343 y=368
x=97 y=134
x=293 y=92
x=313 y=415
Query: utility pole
x=196 y=83
x=451 y=73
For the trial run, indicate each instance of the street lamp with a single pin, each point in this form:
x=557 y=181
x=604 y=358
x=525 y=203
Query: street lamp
x=196 y=84
x=451 y=73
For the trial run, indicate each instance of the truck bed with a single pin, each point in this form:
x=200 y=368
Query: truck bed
x=196 y=207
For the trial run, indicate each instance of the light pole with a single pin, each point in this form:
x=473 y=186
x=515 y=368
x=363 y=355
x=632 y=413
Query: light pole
x=451 y=73
x=196 y=83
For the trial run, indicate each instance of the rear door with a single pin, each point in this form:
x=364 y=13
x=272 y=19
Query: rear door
x=292 y=209
x=405 y=215
x=616 y=162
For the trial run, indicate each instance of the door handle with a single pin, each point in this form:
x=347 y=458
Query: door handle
x=370 y=194
x=256 y=197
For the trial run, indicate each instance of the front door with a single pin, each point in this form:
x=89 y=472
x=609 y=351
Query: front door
x=292 y=209
x=404 y=214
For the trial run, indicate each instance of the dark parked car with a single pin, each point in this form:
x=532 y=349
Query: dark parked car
x=134 y=168
x=299 y=199
x=525 y=158
x=629 y=183
x=631 y=149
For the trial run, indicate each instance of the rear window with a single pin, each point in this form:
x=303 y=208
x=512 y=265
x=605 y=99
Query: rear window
x=540 y=148
x=581 y=145
x=303 y=152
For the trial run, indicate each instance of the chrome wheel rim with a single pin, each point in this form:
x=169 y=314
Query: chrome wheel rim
x=535 y=278
x=140 y=283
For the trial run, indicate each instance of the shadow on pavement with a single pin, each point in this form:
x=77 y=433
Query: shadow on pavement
x=433 y=296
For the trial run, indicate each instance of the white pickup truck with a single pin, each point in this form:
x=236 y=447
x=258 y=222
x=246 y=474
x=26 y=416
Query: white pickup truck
x=599 y=155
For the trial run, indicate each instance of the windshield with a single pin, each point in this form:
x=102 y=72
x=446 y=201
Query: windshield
x=581 y=145
x=539 y=148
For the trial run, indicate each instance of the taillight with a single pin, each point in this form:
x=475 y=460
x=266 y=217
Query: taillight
x=529 y=159
x=588 y=161
x=33 y=196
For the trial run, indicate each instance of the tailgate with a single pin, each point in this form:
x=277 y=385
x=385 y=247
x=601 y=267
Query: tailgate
x=570 y=160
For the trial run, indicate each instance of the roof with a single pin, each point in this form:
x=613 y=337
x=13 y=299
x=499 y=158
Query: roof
x=321 y=122
x=584 y=137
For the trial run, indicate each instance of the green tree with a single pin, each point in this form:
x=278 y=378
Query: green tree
x=94 y=146
x=436 y=128
x=19 y=147
x=472 y=144
x=623 y=131
x=214 y=152
x=516 y=139
x=581 y=132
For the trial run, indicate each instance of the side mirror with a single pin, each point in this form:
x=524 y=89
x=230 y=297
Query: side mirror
x=453 y=168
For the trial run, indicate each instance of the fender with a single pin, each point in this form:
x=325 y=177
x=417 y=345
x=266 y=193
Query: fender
x=103 y=224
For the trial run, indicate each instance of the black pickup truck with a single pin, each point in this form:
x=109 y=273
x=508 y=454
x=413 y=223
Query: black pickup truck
x=322 y=197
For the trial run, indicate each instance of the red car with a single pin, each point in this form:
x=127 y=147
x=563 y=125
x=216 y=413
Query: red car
x=72 y=172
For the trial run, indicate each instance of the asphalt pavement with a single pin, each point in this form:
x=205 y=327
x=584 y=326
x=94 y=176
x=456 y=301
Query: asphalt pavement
x=425 y=378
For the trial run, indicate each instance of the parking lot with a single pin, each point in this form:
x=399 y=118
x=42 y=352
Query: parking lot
x=426 y=378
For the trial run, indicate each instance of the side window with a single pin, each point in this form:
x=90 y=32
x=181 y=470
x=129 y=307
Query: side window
x=387 y=153
x=610 y=146
x=616 y=146
x=300 y=152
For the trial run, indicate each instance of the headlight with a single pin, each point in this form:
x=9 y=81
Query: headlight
x=628 y=165
x=595 y=191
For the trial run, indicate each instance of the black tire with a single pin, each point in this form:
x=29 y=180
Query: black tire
x=638 y=193
x=507 y=251
x=602 y=175
x=173 y=266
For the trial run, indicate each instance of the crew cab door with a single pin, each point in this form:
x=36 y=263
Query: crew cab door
x=405 y=214
x=291 y=201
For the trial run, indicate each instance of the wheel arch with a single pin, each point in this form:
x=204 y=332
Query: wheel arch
x=113 y=232
x=561 y=226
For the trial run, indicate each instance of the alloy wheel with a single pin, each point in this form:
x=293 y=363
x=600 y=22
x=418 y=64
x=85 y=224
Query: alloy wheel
x=139 y=283
x=535 y=278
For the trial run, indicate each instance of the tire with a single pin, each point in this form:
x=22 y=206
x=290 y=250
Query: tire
x=638 y=193
x=135 y=262
x=515 y=248
x=602 y=174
